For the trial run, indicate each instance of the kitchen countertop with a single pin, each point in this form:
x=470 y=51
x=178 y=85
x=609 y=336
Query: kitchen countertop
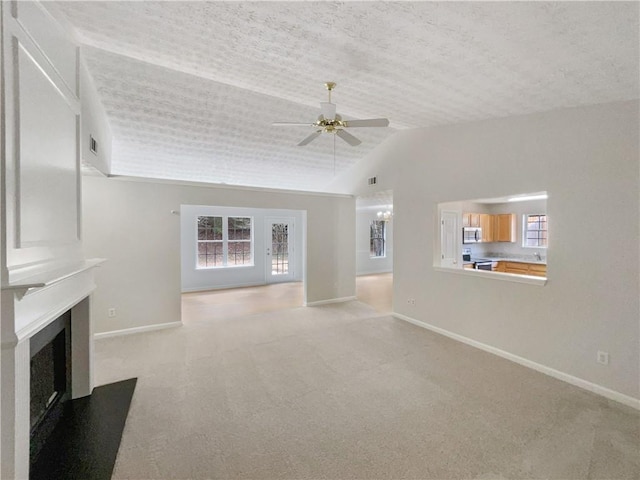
x=516 y=260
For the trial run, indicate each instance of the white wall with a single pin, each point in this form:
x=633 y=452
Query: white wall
x=40 y=185
x=587 y=159
x=194 y=279
x=95 y=123
x=40 y=144
x=130 y=223
x=364 y=263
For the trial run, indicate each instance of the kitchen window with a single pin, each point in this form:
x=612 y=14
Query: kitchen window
x=224 y=241
x=535 y=231
x=377 y=243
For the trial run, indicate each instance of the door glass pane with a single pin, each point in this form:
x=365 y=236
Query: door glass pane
x=279 y=249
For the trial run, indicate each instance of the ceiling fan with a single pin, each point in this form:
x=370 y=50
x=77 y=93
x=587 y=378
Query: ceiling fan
x=330 y=122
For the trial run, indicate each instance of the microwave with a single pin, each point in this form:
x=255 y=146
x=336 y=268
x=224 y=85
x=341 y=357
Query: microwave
x=471 y=235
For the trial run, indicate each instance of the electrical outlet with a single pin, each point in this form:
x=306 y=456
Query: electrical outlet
x=411 y=301
x=111 y=312
x=603 y=358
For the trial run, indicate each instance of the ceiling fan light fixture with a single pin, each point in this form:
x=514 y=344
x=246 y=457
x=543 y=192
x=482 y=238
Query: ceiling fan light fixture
x=328 y=110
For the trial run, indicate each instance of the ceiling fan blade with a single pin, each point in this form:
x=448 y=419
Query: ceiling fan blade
x=371 y=122
x=310 y=138
x=328 y=110
x=292 y=124
x=347 y=137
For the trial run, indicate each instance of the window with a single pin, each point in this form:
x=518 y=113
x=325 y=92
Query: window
x=239 y=244
x=377 y=238
x=210 y=242
x=224 y=241
x=535 y=231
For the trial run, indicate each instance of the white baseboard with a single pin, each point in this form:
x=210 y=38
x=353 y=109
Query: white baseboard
x=232 y=285
x=221 y=287
x=331 y=300
x=565 y=377
x=374 y=272
x=130 y=331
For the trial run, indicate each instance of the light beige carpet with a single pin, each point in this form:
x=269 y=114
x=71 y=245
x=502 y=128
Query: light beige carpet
x=338 y=392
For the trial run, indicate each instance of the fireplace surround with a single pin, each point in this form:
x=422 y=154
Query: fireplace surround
x=43 y=269
x=29 y=307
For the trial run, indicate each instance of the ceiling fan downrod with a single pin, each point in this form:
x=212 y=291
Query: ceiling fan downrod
x=330 y=86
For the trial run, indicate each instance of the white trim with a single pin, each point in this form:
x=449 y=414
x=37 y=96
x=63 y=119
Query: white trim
x=130 y=331
x=373 y=272
x=329 y=301
x=226 y=186
x=223 y=287
x=506 y=277
x=565 y=377
x=35 y=326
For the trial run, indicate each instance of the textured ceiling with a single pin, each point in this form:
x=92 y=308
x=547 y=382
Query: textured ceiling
x=191 y=88
x=376 y=200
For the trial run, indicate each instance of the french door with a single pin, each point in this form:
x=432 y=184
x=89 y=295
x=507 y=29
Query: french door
x=279 y=242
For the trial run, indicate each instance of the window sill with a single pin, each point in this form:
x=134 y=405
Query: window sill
x=506 y=277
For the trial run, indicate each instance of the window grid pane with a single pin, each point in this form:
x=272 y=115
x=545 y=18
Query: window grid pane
x=212 y=242
x=210 y=254
x=209 y=228
x=377 y=238
x=239 y=253
x=536 y=231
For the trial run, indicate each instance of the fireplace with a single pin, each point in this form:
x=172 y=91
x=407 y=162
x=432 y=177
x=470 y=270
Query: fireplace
x=47 y=350
x=50 y=379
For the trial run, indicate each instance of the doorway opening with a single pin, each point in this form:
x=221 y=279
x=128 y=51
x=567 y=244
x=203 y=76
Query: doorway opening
x=239 y=248
x=374 y=250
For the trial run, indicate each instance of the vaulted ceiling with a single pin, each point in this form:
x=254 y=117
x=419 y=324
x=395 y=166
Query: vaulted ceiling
x=191 y=88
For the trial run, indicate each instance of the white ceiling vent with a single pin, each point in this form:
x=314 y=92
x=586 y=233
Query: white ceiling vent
x=372 y=180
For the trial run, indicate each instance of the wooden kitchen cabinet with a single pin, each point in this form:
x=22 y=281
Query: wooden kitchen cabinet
x=495 y=228
x=517 y=267
x=504 y=227
x=521 y=268
x=486 y=223
x=537 y=270
x=470 y=219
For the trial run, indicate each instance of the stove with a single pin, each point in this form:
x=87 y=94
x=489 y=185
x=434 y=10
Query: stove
x=482 y=264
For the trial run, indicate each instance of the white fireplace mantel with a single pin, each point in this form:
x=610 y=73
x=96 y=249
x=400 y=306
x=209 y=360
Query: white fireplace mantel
x=29 y=306
x=46 y=279
x=32 y=302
